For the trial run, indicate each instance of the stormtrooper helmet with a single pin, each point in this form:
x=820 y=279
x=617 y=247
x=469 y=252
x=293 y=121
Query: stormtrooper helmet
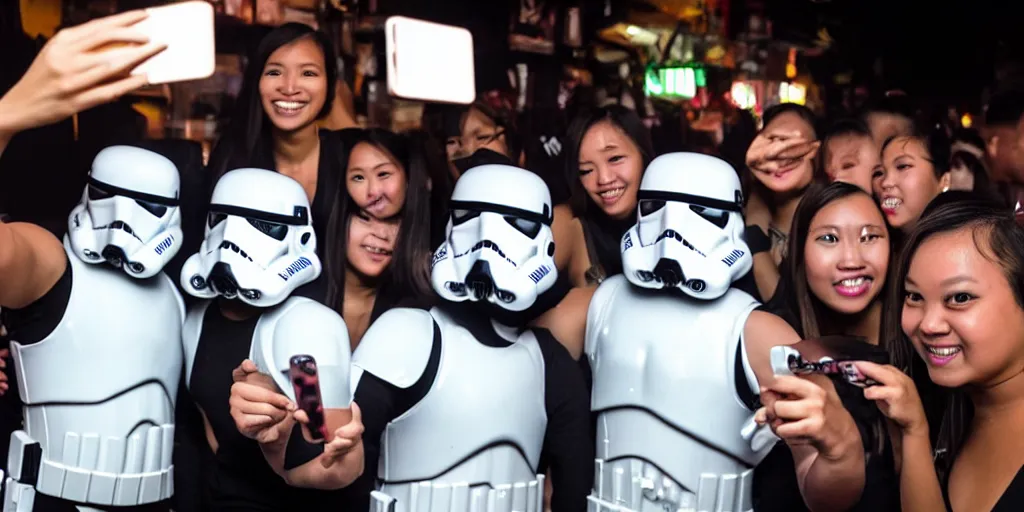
x=499 y=247
x=259 y=245
x=689 y=230
x=129 y=215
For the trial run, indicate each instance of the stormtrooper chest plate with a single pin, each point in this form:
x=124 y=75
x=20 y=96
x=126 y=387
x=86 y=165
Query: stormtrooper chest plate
x=483 y=419
x=665 y=365
x=99 y=391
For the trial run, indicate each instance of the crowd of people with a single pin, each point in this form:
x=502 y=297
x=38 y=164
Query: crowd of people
x=560 y=333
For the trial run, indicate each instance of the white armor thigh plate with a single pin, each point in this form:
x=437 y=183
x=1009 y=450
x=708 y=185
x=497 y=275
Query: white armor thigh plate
x=100 y=390
x=672 y=432
x=473 y=443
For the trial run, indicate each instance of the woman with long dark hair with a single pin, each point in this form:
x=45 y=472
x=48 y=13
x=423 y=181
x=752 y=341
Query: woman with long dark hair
x=958 y=304
x=386 y=186
x=287 y=87
x=833 y=283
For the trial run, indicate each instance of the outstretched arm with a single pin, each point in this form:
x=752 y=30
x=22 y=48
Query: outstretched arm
x=74 y=72
x=821 y=434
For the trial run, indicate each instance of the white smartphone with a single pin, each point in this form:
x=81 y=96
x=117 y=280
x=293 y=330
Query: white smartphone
x=187 y=30
x=429 y=61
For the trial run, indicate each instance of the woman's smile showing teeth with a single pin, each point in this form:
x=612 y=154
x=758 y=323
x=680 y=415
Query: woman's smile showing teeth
x=611 y=195
x=854 y=286
x=939 y=355
x=287 y=108
x=377 y=253
x=891 y=204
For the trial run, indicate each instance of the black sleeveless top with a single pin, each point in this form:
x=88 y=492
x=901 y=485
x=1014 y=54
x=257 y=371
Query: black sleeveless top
x=1012 y=499
x=775 y=483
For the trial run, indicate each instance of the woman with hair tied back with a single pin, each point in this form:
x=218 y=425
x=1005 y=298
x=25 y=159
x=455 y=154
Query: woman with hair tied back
x=833 y=283
x=608 y=150
x=957 y=303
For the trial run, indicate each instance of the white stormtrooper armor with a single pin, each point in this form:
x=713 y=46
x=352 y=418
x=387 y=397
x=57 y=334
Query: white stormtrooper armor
x=499 y=247
x=259 y=223
x=99 y=390
x=429 y=463
x=299 y=326
x=689 y=230
x=674 y=434
x=259 y=244
x=128 y=219
x=473 y=442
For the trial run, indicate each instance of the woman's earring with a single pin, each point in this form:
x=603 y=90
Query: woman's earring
x=945 y=189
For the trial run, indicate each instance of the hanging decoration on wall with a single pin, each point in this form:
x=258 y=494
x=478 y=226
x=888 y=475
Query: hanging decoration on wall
x=533 y=27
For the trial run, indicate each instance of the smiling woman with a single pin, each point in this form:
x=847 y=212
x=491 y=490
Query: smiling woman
x=287 y=87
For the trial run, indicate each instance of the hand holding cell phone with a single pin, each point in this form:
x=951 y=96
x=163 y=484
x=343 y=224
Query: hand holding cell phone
x=74 y=71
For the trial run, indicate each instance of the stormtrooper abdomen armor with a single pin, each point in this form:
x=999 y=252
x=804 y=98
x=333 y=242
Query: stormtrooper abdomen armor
x=473 y=442
x=99 y=393
x=672 y=432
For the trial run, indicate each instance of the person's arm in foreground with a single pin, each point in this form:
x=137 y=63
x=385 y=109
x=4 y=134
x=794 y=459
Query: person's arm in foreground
x=74 y=72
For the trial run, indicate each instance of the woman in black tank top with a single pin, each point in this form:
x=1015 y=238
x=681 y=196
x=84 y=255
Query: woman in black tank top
x=833 y=282
x=958 y=304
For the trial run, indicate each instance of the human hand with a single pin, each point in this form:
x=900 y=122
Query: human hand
x=773 y=150
x=807 y=411
x=259 y=410
x=75 y=71
x=346 y=438
x=896 y=396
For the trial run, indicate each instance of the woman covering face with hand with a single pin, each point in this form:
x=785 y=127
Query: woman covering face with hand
x=782 y=165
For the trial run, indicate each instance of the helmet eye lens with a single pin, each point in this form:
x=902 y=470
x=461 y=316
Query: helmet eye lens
x=157 y=210
x=460 y=216
x=716 y=217
x=271 y=229
x=649 y=206
x=527 y=227
x=96 y=193
x=216 y=218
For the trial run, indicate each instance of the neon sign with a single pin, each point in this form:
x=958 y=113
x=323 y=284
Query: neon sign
x=681 y=82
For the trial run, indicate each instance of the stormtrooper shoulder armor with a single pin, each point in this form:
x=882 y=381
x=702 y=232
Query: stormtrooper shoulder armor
x=305 y=327
x=599 y=304
x=396 y=348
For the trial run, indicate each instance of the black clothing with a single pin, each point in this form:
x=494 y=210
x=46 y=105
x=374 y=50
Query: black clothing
x=44 y=503
x=603 y=236
x=239 y=477
x=567 y=447
x=1012 y=499
x=775 y=483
